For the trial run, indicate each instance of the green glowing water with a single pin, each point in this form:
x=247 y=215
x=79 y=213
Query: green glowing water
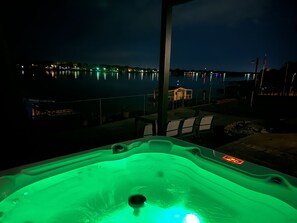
x=176 y=191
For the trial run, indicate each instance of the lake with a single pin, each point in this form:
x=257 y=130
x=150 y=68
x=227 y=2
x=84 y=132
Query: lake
x=71 y=85
x=108 y=94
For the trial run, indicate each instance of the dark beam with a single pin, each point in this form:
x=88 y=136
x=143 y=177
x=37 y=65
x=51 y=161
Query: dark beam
x=165 y=50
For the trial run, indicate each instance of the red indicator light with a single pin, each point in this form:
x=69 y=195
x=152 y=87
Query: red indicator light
x=233 y=160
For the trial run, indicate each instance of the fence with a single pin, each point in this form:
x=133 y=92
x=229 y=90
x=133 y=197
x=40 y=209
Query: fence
x=109 y=109
x=101 y=110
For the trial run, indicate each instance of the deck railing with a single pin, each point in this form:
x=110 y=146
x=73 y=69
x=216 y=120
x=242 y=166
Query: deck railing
x=109 y=109
x=101 y=110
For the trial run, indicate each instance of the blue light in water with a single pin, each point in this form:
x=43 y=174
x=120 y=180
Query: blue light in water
x=151 y=213
x=191 y=218
x=180 y=215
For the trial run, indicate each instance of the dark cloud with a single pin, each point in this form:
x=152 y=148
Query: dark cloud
x=223 y=12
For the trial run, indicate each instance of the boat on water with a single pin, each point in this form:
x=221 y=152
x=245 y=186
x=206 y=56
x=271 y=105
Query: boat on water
x=38 y=108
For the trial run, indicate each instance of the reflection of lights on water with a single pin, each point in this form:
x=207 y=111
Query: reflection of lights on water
x=247 y=76
x=98 y=75
x=76 y=74
x=153 y=76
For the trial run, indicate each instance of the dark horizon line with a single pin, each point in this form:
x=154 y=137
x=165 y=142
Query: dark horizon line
x=91 y=65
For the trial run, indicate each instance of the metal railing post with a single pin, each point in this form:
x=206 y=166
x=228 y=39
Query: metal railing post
x=100 y=111
x=144 y=104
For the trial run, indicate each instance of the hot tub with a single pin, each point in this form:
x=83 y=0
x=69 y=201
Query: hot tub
x=157 y=179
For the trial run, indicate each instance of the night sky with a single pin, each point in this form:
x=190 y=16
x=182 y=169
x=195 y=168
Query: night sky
x=216 y=35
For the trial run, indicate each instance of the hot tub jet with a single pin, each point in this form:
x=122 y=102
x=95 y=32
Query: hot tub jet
x=136 y=202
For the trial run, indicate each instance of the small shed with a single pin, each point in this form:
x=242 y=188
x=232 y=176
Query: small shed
x=177 y=93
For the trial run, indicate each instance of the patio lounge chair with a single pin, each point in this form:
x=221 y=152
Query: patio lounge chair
x=172 y=128
x=148 y=130
x=205 y=125
x=188 y=127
